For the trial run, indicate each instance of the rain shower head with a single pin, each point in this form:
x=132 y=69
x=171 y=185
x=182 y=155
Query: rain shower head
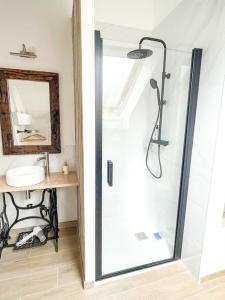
x=154 y=83
x=139 y=53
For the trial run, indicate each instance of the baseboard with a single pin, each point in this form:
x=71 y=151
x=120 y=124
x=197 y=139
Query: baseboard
x=69 y=224
x=88 y=285
x=212 y=276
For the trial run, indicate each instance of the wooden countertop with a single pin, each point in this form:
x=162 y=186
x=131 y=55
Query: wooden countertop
x=55 y=180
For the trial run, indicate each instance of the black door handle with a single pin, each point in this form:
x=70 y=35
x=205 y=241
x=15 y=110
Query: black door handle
x=110 y=172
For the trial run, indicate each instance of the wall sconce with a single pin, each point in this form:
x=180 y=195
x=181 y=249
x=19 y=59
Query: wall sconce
x=24 y=53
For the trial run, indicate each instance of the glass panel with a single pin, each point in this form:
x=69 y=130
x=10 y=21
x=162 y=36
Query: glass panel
x=139 y=212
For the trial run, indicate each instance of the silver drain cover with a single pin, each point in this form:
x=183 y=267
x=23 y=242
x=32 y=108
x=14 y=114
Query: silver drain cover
x=141 y=236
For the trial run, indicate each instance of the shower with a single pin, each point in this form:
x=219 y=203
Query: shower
x=155 y=138
x=134 y=209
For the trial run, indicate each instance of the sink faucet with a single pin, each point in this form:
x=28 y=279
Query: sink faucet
x=46 y=165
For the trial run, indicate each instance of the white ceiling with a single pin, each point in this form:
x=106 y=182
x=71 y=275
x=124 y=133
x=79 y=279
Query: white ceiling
x=141 y=14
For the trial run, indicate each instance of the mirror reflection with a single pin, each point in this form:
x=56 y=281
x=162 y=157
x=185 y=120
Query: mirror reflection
x=30 y=112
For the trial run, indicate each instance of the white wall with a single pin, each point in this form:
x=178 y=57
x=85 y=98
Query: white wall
x=88 y=91
x=142 y=14
x=124 y=13
x=214 y=241
x=45 y=26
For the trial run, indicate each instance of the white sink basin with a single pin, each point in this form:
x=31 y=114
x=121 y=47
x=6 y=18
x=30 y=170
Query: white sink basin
x=25 y=176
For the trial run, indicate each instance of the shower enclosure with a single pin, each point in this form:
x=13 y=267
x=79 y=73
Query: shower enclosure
x=140 y=217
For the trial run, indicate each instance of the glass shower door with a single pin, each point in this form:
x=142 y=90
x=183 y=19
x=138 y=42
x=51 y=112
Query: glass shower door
x=139 y=212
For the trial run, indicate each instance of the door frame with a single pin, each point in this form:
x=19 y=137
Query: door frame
x=186 y=160
x=98 y=155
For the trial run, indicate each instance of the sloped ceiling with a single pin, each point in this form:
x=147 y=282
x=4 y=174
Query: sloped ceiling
x=142 y=14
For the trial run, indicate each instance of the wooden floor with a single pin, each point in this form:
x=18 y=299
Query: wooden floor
x=41 y=273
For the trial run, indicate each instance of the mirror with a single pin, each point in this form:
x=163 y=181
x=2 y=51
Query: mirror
x=30 y=119
x=29 y=111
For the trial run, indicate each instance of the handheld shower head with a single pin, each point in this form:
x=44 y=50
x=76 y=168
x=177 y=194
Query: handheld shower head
x=154 y=83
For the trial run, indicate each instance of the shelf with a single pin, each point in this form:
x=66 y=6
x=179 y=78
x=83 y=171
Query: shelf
x=55 y=180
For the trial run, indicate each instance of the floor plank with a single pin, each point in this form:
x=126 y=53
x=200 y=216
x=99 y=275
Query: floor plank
x=25 y=285
x=41 y=273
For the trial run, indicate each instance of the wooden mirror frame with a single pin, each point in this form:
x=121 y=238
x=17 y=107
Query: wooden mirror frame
x=5 y=115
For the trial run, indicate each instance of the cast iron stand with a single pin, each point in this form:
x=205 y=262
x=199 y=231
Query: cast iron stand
x=48 y=214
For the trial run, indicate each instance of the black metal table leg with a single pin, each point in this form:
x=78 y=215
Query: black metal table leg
x=47 y=214
x=4 y=226
x=56 y=219
x=54 y=216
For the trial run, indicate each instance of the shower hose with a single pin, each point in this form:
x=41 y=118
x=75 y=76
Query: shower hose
x=158 y=150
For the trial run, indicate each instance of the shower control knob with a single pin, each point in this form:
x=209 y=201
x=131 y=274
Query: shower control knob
x=167 y=75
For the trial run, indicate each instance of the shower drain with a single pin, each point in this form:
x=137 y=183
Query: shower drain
x=141 y=236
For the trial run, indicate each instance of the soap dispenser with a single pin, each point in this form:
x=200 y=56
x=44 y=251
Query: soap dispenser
x=66 y=168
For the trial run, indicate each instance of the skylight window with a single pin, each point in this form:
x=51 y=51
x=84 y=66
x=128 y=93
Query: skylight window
x=116 y=72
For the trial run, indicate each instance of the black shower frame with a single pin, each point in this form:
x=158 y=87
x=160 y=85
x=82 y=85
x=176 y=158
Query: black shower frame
x=186 y=161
